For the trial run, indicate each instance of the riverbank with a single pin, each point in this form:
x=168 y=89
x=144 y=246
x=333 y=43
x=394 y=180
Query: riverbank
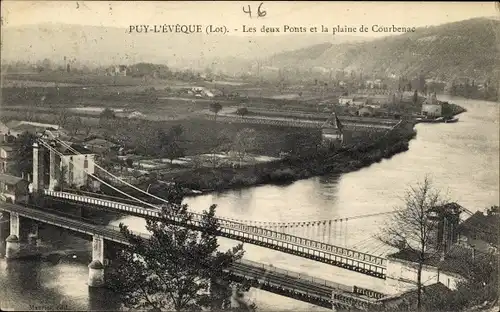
x=451 y=109
x=288 y=170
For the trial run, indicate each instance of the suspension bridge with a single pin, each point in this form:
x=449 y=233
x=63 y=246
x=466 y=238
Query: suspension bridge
x=319 y=240
x=322 y=240
x=299 y=286
x=309 y=239
x=301 y=121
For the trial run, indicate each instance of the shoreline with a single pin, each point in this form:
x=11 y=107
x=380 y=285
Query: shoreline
x=204 y=181
x=293 y=172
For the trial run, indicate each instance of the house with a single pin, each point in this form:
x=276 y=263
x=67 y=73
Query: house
x=432 y=107
x=481 y=232
x=360 y=101
x=408 y=299
x=121 y=70
x=345 y=100
x=202 y=92
x=6 y=157
x=13 y=189
x=101 y=146
x=379 y=100
x=20 y=127
x=136 y=114
x=4 y=132
x=401 y=271
x=70 y=169
x=366 y=111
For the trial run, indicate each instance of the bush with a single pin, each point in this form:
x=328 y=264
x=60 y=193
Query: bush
x=242 y=111
x=282 y=175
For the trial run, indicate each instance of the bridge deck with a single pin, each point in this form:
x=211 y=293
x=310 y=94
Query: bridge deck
x=338 y=256
x=292 y=284
x=293 y=122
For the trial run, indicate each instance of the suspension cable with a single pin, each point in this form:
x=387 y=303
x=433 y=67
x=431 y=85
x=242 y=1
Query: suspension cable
x=100 y=180
x=109 y=173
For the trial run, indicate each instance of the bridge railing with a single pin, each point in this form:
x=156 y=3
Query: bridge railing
x=111 y=233
x=311 y=244
x=302 y=123
x=107 y=197
x=232 y=228
x=303 y=277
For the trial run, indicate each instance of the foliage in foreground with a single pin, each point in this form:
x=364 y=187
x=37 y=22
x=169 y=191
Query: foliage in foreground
x=177 y=268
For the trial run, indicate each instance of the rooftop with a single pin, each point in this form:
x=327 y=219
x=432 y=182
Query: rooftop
x=71 y=148
x=3 y=128
x=456 y=261
x=99 y=142
x=438 y=289
x=485 y=227
x=7 y=148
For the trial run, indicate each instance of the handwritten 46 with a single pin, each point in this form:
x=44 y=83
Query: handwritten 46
x=260 y=13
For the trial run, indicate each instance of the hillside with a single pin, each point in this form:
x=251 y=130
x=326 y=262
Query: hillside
x=95 y=45
x=462 y=49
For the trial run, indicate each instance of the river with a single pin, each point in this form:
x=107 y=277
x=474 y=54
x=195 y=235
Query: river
x=461 y=159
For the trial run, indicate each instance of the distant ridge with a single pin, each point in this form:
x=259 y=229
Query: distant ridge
x=467 y=48
x=98 y=45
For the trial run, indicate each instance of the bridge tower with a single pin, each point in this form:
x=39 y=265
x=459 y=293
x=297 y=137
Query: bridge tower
x=38 y=168
x=332 y=133
x=444 y=220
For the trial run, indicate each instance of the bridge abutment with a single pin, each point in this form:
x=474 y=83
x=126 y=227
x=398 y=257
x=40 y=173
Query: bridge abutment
x=12 y=243
x=96 y=267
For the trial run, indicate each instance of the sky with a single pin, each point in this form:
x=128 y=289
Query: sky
x=230 y=13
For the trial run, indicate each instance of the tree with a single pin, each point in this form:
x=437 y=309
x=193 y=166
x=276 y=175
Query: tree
x=176 y=131
x=75 y=123
x=415 y=97
x=107 y=114
x=215 y=108
x=223 y=142
x=244 y=141
x=172 y=150
x=410 y=229
x=129 y=162
x=87 y=129
x=177 y=268
x=23 y=154
x=242 y=111
x=170 y=143
x=62 y=117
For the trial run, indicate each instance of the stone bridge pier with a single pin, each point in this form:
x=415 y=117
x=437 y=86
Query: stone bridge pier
x=4 y=231
x=96 y=267
x=14 y=243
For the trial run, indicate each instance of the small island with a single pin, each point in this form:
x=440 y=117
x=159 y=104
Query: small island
x=435 y=111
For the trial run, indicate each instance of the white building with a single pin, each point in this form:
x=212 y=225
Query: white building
x=345 y=100
x=432 y=107
x=401 y=272
x=70 y=169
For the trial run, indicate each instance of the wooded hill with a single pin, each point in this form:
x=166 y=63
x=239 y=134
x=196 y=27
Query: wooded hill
x=465 y=49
